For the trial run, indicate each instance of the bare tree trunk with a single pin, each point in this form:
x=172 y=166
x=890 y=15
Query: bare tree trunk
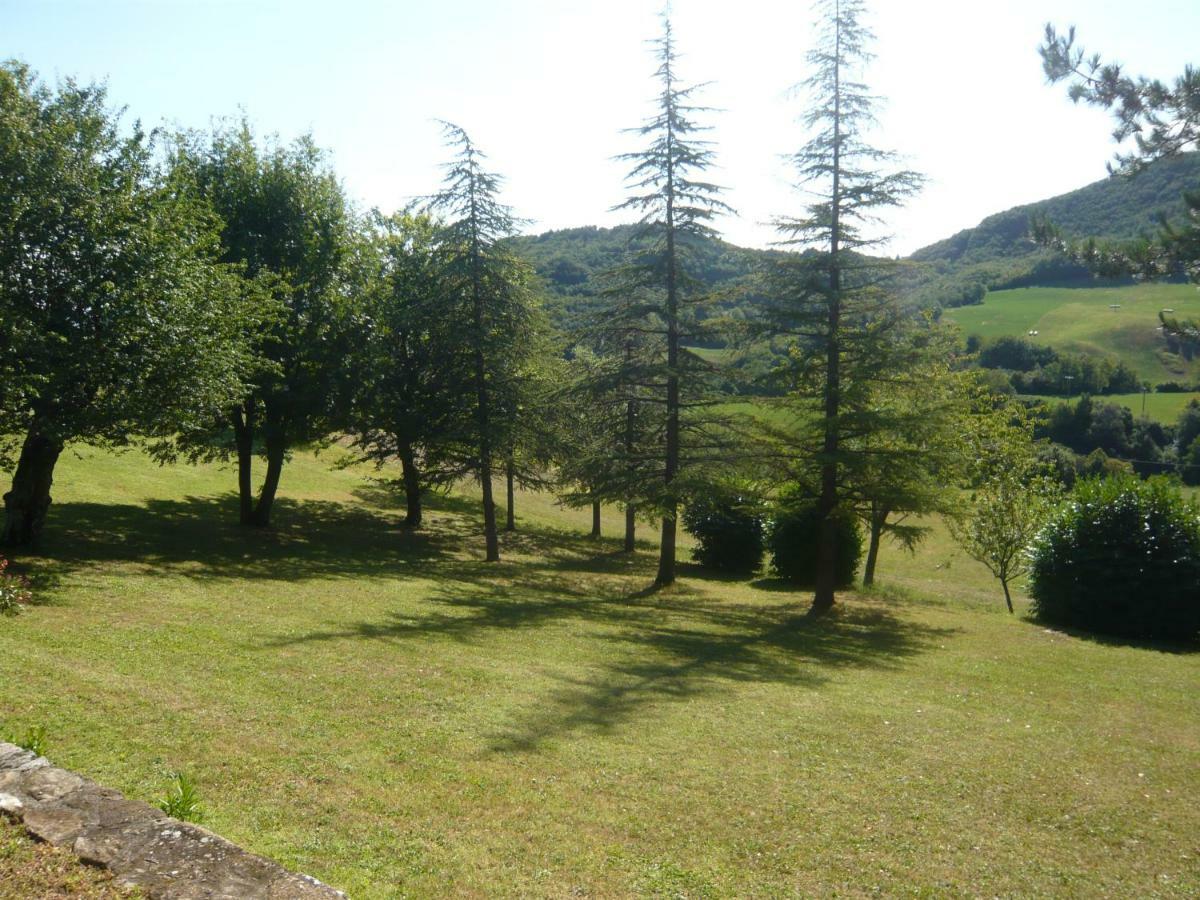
x=412 y=485
x=827 y=503
x=27 y=503
x=666 y=550
x=510 y=518
x=243 y=430
x=595 y=519
x=276 y=449
x=878 y=520
x=630 y=528
x=1007 y=595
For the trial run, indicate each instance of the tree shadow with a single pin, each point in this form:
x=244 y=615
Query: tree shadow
x=200 y=537
x=670 y=645
x=1175 y=648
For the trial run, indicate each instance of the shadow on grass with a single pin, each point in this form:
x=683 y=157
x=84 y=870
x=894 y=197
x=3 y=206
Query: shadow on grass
x=661 y=646
x=1175 y=648
x=200 y=536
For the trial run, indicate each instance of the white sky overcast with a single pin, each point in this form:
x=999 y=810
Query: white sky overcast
x=545 y=88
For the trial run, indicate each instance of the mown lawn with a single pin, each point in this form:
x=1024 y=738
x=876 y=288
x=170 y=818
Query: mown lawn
x=1082 y=320
x=390 y=714
x=1164 y=408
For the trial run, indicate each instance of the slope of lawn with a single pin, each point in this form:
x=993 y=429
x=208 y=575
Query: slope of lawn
x=1164 y=408
x=1082 y=320
x=390 y=714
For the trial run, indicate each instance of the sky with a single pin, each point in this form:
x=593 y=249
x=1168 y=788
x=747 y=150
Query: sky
x=546 y=87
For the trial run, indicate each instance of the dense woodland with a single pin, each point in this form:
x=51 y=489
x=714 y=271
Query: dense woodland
x=216 y=295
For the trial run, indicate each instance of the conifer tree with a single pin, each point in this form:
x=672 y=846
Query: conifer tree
x=488 y=290
x=1163 y=120
x=831 y=301
x=675 y=207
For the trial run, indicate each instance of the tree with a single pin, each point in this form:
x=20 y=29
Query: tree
x=675 y=209
x=1012 y=493
x=488 y=290
x=410 y=362
x=1163 y=120
x=914 y=462
x=285 y=225
x=612 y=443
x=831 y=301
x=116 y=316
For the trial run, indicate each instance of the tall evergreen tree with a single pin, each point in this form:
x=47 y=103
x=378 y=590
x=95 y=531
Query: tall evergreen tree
x=676 y=207
x=831 y=300
x=489 y=288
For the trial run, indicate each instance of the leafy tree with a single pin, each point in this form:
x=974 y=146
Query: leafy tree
x=1012 y=493
x=1164 y=121
x=831 y=301
x=411 y=364
x=285 y=223
x=488 y=289
x=676 y=207
x=116 y=317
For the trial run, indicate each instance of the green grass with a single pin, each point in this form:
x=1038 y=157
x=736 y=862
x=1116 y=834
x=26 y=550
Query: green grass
x=1164 y=408
x=389 y=713
x=1080 y=320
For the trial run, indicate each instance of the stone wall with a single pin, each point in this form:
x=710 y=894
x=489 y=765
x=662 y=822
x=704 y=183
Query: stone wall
x=138 y=843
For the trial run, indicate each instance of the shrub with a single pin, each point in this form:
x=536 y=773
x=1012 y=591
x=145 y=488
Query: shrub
x=729 y=530
x=14 y=590
x=183 y=801
x=793 y=540
x=1121 y=558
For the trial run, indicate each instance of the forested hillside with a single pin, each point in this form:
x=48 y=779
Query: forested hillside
x=1115 y=207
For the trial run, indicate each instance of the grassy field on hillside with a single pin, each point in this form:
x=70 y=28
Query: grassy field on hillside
x=1081 y=320
x=1163 y=408
x=387 y=712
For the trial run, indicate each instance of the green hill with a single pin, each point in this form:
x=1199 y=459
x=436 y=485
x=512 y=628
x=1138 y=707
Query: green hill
x=1116 y=207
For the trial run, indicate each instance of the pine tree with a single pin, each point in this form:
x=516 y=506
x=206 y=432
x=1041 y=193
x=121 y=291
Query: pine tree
x=832 y=301
x=1163 y=120
x=676 y=208
x=488 y=287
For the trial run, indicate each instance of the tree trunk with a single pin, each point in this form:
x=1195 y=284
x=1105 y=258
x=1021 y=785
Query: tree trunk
x=1007 y=596
x=276 y=448
x=412 y=485
x=878 y=520
x=26 y=505
x=630 y=528
x=827 y=503
x=595 y=519
x=666 y=550
x=510 y=518
x=243 y=430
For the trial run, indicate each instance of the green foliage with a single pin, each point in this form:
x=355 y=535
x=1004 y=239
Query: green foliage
x=793 y=538
x=34 y=740
x=1122 y=557
x=285 y=228
x=14 y=590
x=729 y=528
x=183 y=799
x=1012 y=491
x=487 y=292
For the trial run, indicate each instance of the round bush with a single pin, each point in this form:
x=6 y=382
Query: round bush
x=1121 y=558
x=794 y=537
x=729 y=532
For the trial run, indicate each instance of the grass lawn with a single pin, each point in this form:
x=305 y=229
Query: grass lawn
x=394 y=716
x=1081 y=320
